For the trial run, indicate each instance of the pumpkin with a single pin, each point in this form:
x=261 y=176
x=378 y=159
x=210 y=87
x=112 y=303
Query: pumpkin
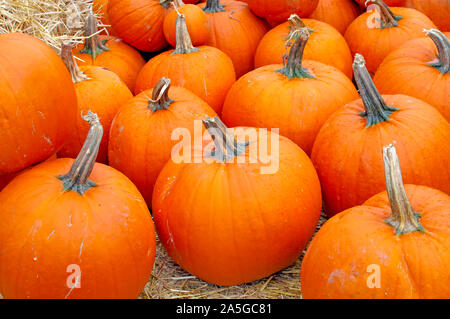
x=140 y=142
x=101 y=8
x=337 y=13
x=419 y=68
x=325 y=45
x=437 y=10
x=98 y=90
x=235 y=30
x=109 y=52
x=226 y=220
x=206 y=71
x=393 y=3
x=394 y=246
x=375 y=37
x=347 y=150
x=37 y=102
x=281 y=10
x=74 y=229
x=139 y=22
x=297 y=98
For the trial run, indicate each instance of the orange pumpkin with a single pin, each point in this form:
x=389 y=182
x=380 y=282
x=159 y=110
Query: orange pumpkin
x=419 y=68
x=281 y=10
x=37 y=102
x=101 y=8
x=84 y=234
x=206 y=71
x=376 y=34
x=394 y=246
x=297 y=98
x=98 y=90
x=225 y=220
x=337 y=13
x=111 y=53
x=393 y=3
x=347 y=150
x=437 y=10
x=325 y=45
x=235 y=30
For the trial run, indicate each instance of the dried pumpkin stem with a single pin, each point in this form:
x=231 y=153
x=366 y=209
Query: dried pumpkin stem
x=71 y=65
x=184 y=43
x=160 y=96
x=77 y=178
x=376 y=109
x=387 y=18
x=178 y=3
x=213 y=6
x=93 y=45
x=165 y=3
x=443 y=46
x=403 y=218
x=295 y=24
x=226 y=146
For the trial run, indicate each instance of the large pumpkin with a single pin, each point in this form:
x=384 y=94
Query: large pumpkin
x=437 y=10
x=297 y=98
x=325 y=45
x=377 y=33
x=419 y=68
x=37 y=102
x=206 y=71
x=396 y=245
x=232 y=216
x=74 y=229
x=281 y=10
x=347 y=150
x=337 y=13
x=141 y=134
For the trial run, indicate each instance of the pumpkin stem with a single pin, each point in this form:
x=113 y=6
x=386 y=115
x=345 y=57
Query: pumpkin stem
x=295 y=24
x=160 y=97
x=93 y=45
x=443 y=46
x=376 y=109
x=184 y=43
x=213 y=6
x=293 y=67
x=177 y=3
x=226 y=145
x=71 y=65
x=387 y=18
x=165 y=3
x=403 y=218
x=77 y=178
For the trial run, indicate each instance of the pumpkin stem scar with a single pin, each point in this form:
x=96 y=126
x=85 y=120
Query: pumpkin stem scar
x=184 y=43
x=160 y=97
x=376 y=109
x=443 y=46
x=226 y=145
x=403 y=218
x=387 y=18
x=71 y=65
x=213 y=6
x=77 y=178
x=93 y=45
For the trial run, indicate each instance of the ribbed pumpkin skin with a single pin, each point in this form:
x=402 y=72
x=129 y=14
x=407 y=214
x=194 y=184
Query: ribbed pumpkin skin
x=282 y=9
x=140 y=142
x=208 y=73
x=375 y=44
x=238 y=36
x=348 y=156
x=407 y=71
x=228 y=224
x=139 y=23
x=121 y=59
x=437 y=10
x=413 y=265
x=104 y=93
x=37 y=102
x=325 y=45
x=298 y=107
x=337 y=13
x=108 y=232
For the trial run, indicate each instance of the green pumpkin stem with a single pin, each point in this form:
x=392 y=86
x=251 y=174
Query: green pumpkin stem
x=160 y=96
x=165 y=3
x=403 y=219
x=213 y=6
x=77 y=178
x=93 y=45
x=443 y=46
x=387 y=18
x=184 y=43
x=71 y=65
x=376 y=109
x=226 y=146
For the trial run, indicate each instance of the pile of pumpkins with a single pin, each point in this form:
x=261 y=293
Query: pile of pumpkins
x=361 y=101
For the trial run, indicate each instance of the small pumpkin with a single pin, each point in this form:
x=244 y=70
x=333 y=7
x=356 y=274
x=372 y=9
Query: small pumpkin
x=225 y=221
x=394 y=246
x=282 y=9
x=325 y=45
x=337 y=13
x=437 y=10
x=347 y=150
x=375 y=35
x=297 y=97
x=206 y=71
x=75 y=229
x=419 y=68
